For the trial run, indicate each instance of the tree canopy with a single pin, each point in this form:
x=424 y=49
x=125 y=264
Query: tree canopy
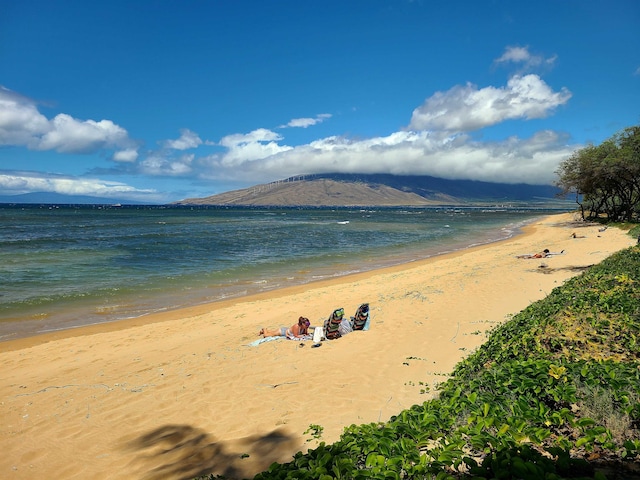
x=605 y=178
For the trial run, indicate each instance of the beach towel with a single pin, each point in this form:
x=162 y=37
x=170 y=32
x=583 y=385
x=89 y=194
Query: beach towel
x=332 y=324
x=300 y=338
x=259 y=341
x=255 y=343
x=361 y=319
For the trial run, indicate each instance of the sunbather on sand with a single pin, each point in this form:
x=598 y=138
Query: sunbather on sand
x=541 y=254
x=298 y=330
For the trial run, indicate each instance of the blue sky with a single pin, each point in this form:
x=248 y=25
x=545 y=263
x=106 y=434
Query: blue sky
x=156 y=101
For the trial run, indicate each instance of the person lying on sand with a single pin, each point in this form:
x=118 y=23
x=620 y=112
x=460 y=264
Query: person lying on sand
x=541 y=254
x=295 y=331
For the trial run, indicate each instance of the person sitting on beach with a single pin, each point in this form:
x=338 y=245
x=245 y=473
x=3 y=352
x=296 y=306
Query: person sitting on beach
x=541 y=254
x=299 y=330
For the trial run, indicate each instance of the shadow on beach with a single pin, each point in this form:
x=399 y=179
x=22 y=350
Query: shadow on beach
x=547 y=270
x=181 y=452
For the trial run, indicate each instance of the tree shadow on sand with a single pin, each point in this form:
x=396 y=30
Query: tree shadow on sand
x=181 y=452
x=544 y=268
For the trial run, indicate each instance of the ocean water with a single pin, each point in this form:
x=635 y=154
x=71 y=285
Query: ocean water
x=66 y=266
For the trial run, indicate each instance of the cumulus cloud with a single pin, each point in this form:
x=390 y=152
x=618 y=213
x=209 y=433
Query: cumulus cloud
x=68 y=135
x=187 y=140
x=239 y=148
x=21 y=124
x=466 y=108
x=436 y=141
x=256 y=145
x=437 y=154
x=20 y=121
x=128 y=155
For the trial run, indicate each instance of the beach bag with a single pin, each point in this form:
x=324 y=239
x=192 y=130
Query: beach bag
x=332 y=324
x=359 y=321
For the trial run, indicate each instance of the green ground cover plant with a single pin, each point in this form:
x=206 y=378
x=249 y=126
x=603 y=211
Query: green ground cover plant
x=554 y=393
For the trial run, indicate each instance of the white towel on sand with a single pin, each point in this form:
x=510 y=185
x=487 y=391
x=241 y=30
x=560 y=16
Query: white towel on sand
x=318 y=334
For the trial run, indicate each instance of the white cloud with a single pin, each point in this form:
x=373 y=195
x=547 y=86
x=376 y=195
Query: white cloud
x=21 y=124
x=514 y=54
x=256 y=145
x=127 y=155
x=524 y=59
x=514 y=160
x=158 y=165
x=68 y=135
x=434 y=143
x=240 y=148
x=259 y=135
x=466 y=108
x=20 y=120
x=23 y=182
x=187 y=140
x=306 y=122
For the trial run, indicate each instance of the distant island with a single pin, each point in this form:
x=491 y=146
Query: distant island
x=349 y=190
x=52 y=198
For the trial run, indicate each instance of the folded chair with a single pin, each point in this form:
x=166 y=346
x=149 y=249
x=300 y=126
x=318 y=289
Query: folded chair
x=359 y=321
x=332 y=324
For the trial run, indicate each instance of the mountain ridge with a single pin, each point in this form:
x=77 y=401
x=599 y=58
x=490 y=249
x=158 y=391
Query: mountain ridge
x=377 y=190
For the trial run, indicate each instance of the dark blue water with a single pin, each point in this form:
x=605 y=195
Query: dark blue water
x=66 y=266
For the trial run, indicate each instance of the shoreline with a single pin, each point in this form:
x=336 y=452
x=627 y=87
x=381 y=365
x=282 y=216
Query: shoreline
x=77 y=317
x=169 y=314
x=180 y=393
x=33 y=337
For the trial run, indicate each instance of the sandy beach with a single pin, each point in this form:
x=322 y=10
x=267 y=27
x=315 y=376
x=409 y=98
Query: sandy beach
x=181 y=394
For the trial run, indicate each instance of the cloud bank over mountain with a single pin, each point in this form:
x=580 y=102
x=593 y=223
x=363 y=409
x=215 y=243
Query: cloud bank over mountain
x=438 y=141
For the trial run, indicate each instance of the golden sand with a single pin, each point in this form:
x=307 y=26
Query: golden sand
x=182 y=394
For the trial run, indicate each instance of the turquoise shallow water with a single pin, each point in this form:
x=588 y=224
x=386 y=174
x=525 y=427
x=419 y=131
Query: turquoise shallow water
x=67 y=266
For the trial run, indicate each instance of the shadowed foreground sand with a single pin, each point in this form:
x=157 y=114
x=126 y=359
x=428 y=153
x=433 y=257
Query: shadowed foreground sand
x=182 y=394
